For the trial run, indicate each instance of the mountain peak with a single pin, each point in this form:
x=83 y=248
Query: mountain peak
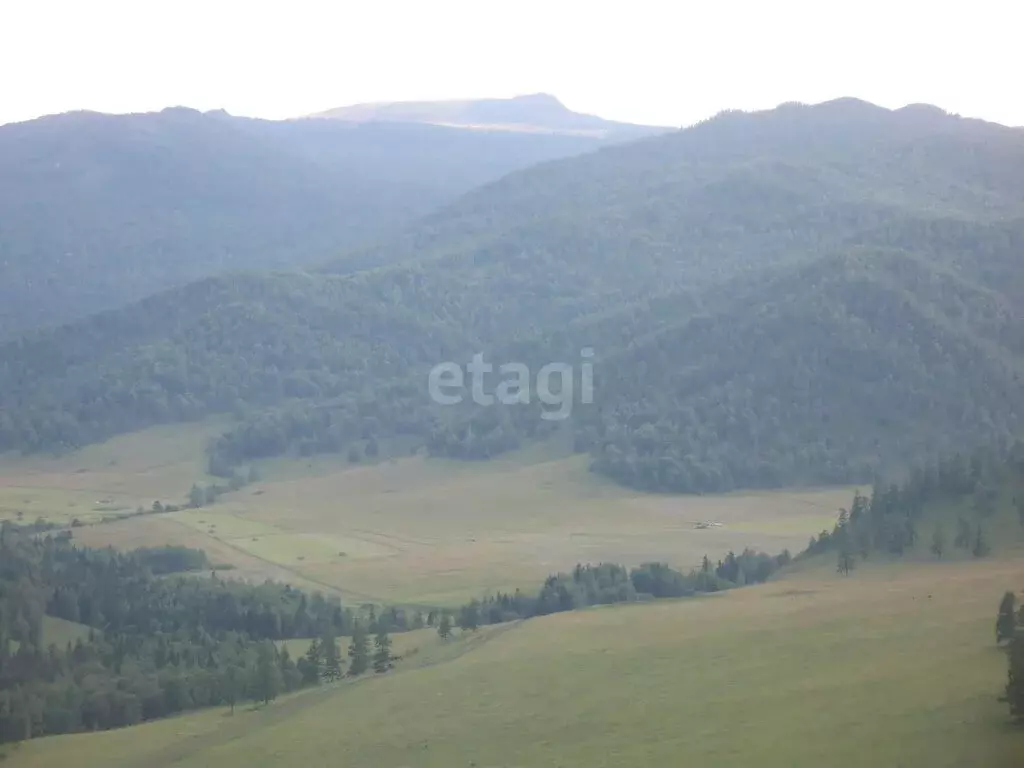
x=540 y=99
x=530 y=113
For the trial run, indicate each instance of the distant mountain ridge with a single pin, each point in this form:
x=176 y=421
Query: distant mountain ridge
x=803 y=295
x=534 y=113
x=100 y=210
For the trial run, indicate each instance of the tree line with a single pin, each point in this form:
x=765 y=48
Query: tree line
x=940 y=509
x=755 y=336
x=609 y=583
x=156 y=644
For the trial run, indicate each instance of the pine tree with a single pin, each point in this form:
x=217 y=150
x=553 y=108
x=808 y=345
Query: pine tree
x=444 y=629
x=231 y=682
x=981 y=547
x=1015 y=681
x=846 y=560
x=267 y=682
x=358 y=651
x=382 y=655
x=469 y=616
x=309 y=665
x=1006 y=622
x=938 y=542
x=331 y=658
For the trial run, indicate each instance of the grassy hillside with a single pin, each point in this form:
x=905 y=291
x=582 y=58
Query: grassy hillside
x=800 y=296
x=895 y=666
x=102 y=210
x=108 y=479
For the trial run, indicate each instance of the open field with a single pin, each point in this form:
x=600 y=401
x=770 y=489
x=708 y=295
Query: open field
x=409 y=530
x=107 y=479
x=894 y=666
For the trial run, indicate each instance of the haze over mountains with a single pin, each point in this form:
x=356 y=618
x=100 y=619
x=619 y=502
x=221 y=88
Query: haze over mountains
x=100 y=210
x=535 y=113
x=801 y=295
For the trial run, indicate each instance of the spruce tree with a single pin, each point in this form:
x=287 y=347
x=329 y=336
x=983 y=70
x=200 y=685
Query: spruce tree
x=1015 y=681
x=469 y=616
x=358 y=651
x=846 y=561
x=331 y=657
x=1006 y=622
x=231 y=681
x=310 y=664
x=382 y=655
x=981 y=547
x=444 y=628
x=267 y=682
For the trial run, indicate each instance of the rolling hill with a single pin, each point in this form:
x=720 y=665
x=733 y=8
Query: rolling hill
x=802 y=295
x=101 y=210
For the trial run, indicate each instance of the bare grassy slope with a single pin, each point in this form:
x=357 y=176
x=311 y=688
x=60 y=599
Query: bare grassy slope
x=894 y=666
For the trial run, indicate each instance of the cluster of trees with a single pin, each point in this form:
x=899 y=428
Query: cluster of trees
x=323 y=660
x=1010 y=630
x=171 y=559
x=764 y=310
x=155 y=645
x=912 y=515
x=608 y=583
x=1010 y=633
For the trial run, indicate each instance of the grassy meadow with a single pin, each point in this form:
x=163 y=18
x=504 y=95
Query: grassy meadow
x=105 y=480
x=893 y=666
x=409 y=530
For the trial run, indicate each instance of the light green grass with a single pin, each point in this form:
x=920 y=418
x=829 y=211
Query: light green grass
x=429 y=532
x=893 y=667
x=107 y=479
x=438 y=532
x=60 y=632
x=409 y=530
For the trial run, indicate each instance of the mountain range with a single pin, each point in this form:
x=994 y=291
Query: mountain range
x=534 y=113
x=797 y=296
x=101 y=210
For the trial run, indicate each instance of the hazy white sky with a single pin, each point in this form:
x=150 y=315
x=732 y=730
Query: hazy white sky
x=656 y=62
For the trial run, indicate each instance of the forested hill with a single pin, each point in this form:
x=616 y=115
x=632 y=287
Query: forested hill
x=794 y=296
x=101 y=210
x=739 y=191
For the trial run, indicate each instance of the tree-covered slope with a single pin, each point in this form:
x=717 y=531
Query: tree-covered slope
x=827 y=373
x=802 y=295
x=100 y=210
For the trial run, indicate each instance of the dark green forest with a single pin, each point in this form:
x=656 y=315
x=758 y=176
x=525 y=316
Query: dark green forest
x=160 y=643
x=156 y=645
x=159 y=646
x=799 y=296
x=960 y=506
x=102 y=210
